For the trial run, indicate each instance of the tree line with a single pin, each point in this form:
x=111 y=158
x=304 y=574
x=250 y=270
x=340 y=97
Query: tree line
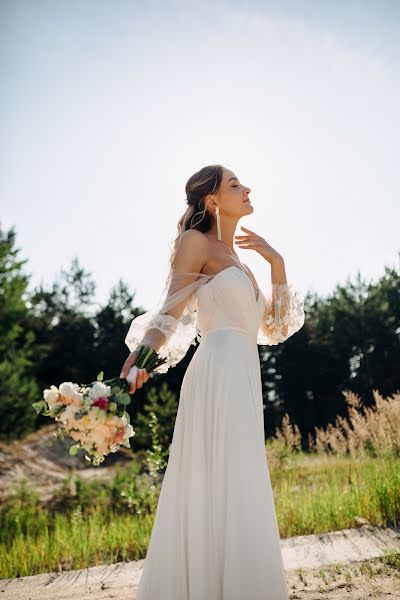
x=350 y=341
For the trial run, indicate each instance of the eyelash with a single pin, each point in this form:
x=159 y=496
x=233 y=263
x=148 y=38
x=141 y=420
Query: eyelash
x=235 y=186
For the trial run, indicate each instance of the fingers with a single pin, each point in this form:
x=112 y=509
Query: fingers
x=248 y=241
x=244 y=240
x=142 y=377
x=130 y=361
x=246 y=237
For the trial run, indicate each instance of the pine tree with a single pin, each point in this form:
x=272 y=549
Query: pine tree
x=18 y=388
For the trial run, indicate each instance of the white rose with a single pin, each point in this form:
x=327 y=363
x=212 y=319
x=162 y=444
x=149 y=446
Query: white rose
x=71 y=394
x=51 y=396
x=129 y=431
x=98 y=390
x=68 y=389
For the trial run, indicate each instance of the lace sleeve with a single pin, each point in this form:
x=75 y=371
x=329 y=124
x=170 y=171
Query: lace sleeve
x=283 y=315
x=179 y=328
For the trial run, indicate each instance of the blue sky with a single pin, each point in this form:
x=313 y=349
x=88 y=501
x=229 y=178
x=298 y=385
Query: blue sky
x=107 y=108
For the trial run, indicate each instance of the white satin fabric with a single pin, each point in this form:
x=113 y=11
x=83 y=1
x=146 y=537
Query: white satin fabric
x=215 y=534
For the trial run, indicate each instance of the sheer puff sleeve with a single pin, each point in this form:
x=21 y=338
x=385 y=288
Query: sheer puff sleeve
x=174 y=315
x=283 y=315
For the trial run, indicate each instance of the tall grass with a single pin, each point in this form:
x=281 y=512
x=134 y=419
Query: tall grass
x=368 y=431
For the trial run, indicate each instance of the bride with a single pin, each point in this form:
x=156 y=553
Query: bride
x=215 y=534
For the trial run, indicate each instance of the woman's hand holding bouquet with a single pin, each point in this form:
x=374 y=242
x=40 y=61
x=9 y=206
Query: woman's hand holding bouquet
x=134 y=375
x=94 y=415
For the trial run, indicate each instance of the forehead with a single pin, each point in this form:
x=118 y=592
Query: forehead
x=228 y=175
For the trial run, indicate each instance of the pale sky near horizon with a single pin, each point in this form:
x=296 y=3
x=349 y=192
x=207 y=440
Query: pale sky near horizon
x=107 y=108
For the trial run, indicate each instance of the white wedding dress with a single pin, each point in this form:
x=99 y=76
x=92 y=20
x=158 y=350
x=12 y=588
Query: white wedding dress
x=215 y=534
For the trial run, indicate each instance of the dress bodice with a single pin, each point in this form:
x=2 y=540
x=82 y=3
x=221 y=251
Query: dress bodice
x=229 y=301
x=196 y=304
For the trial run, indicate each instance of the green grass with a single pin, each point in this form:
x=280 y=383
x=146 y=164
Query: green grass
x=99 y=524
x=314 y=496
x=391 y=558
x=91 y=523
x=74 y=542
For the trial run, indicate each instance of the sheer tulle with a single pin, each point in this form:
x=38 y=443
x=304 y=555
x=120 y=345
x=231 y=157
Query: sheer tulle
x=284 y=308
x=178 y=328
x=175 y=315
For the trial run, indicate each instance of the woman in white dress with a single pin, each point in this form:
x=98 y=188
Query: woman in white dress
x=215 y=534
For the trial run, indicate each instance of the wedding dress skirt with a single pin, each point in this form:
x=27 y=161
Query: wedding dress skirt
x=215 y=534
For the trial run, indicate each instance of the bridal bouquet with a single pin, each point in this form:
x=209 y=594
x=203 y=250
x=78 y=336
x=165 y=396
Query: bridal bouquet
x=94 y=415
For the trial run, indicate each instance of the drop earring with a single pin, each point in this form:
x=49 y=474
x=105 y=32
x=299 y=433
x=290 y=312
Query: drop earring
x=218 y=224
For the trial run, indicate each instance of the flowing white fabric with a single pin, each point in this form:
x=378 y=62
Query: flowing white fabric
x=215 y=534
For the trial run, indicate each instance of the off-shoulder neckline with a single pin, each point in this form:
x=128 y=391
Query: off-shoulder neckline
x=257 y=298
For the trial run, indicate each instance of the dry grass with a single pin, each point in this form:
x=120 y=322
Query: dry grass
x=368 y=431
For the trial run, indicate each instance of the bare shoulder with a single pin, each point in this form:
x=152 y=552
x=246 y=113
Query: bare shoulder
x=192 y=250
x=195 y=235
x=193 y=238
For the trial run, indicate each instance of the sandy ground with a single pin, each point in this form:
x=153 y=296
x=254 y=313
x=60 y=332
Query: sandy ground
x=44 y=463
x=326 y=566
x=355 y=581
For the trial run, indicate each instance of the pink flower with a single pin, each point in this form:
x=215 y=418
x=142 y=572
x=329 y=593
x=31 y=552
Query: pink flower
x=119 y=436
x=101 y=402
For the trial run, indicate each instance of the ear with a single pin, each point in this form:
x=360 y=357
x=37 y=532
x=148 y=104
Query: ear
x=210 y=203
